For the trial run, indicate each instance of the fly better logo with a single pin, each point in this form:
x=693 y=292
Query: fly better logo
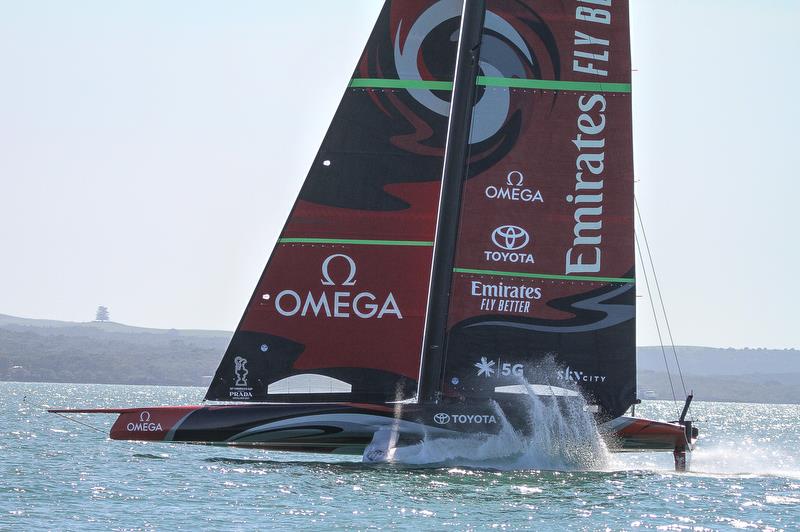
x=510 y=239
x=336 y=299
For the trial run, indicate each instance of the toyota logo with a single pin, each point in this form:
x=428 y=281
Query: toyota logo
x=510 y=237
x=441 y=418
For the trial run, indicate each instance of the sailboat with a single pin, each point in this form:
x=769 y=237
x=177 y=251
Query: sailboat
x=468 y=216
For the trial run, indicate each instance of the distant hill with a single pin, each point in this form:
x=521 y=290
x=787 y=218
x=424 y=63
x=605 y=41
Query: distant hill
x=113 y=353
x=722 y=361
x=715 y=374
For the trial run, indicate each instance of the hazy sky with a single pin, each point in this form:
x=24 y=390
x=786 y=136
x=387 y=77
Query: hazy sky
x=150 y=152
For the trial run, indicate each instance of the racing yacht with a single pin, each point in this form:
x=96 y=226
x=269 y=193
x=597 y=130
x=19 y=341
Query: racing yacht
x=467 y=221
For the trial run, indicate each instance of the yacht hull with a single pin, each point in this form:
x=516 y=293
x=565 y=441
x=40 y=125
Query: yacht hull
x=347 y=428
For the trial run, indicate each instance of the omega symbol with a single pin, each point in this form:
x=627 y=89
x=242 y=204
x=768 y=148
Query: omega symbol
x=510 y=179
x=326 y=276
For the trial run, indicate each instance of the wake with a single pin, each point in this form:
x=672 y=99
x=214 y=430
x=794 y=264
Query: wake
x=741 y=458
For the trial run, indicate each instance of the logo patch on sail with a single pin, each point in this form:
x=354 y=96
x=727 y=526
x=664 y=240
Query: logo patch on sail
x=501 y=297
x=240 y=389
x=514 y=190
x=488 y=368
x=336 y=299
x=571 y=375
x=510 y=241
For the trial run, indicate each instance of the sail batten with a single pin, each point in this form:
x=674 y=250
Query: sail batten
x=556 y=85
x=355 y=242
x=385 y=83
x=586 y=278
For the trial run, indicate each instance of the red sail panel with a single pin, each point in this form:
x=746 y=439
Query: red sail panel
x=545 y=257
x=338 y=313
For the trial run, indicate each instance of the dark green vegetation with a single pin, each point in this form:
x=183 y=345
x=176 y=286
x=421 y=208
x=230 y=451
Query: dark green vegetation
x=57 y=351
x=109 y=353
x=741 y=375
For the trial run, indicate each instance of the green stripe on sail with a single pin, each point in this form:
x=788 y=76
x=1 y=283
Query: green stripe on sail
x=580 y=86
x=356 y=242
x=379 y=83
x=624 y=280
x=487 y=81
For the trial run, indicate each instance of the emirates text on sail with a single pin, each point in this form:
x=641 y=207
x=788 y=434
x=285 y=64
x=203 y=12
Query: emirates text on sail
x=589 y=54
x=505 y=298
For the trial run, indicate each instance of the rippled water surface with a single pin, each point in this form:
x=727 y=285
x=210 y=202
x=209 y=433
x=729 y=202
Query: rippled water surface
x=60 y=475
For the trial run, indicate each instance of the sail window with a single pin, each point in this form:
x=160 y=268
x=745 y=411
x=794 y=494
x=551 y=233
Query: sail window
x=308 y=384
x=536 y=389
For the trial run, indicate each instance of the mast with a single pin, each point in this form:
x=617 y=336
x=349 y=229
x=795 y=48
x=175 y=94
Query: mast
x=453 y=177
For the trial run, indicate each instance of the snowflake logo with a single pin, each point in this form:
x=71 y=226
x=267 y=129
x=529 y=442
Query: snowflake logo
x=485 y=367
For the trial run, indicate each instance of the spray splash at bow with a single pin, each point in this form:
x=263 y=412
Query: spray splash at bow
x=564 y=434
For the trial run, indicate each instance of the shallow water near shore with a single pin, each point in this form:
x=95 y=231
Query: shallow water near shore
x=56 y=474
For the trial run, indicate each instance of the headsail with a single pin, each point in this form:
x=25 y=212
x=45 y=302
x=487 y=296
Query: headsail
x=339 y=311
x=544 y=262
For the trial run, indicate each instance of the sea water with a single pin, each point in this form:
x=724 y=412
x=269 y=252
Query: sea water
x=56 y=474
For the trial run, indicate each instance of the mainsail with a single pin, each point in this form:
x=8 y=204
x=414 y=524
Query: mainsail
x=524 y=107
x=339 y=311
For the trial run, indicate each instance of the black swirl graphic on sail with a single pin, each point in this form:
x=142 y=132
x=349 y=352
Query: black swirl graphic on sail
x=383 y=136
x=375 y=129
x=595 y=340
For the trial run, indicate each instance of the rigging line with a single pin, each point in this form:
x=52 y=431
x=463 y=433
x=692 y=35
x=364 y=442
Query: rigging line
x=655 y=317
x=25 y=400
x=79 y=422
x=661 y=299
